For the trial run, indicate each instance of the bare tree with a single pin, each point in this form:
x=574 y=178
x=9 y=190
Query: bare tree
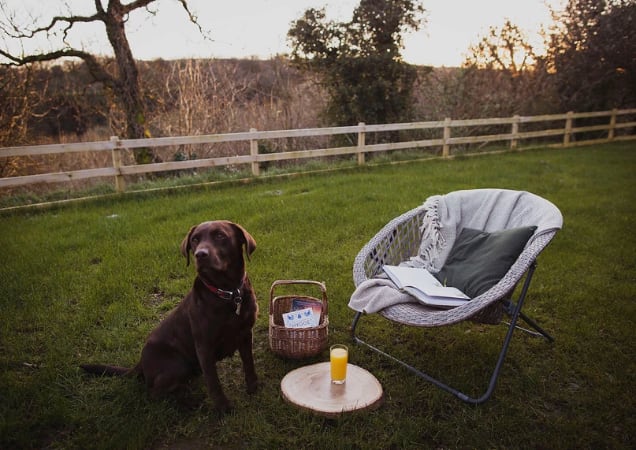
x=18 y=99
x=505 y=49
x=124 y=82
x=502 y=70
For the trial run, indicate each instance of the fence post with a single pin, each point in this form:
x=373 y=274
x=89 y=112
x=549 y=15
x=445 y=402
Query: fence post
x=447 y=135
x=515 y=132
x=256 y=167
x=361 y=142
x=568 y=129
x=120 y=183
x=612 y=126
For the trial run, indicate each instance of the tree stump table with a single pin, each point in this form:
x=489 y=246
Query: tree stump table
x=310 y=388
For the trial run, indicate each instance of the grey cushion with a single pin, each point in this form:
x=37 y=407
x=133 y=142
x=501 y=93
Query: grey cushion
x=478 y=260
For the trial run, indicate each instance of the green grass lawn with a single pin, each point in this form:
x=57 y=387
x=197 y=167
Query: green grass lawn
x=86 y=282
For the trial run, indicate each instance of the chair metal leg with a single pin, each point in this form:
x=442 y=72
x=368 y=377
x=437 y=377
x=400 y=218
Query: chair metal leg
x=534 y=325
x=510 y=306
x=515 y=313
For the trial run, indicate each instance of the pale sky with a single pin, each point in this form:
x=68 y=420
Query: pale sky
x=247 y=28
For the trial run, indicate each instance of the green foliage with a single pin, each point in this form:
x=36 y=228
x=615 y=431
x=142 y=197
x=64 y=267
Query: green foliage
x=373 y=89
x=363 y=72
x=86 y=282
x=591 y=55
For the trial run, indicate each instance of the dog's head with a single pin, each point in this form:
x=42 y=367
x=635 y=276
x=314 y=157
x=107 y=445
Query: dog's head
x=218 y=246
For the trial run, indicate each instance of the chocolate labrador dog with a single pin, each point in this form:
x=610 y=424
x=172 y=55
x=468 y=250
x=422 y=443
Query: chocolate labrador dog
x=213 y=320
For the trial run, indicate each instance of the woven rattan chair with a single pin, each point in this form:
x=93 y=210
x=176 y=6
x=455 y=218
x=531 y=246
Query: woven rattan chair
x=400 y=239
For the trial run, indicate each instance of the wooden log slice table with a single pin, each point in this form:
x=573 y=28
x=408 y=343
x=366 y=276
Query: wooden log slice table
x=310 y=388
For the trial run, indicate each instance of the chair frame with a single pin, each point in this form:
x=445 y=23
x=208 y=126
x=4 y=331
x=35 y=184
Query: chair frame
x=396 y=242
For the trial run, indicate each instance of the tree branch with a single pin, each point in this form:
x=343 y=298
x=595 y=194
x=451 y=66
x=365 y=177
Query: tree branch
x=68 y=20
x=134 y=5
x=194 y=19
x=94 y=67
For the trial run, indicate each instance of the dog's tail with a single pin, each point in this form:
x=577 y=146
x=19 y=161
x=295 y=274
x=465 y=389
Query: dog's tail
x=111 y=371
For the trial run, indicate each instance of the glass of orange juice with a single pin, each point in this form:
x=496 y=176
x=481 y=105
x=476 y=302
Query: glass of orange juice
x=338 y=357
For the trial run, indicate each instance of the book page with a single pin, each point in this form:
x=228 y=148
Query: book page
x=422 y=280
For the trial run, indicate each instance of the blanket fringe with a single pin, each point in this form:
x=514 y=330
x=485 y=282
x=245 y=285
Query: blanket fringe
x=432 y=240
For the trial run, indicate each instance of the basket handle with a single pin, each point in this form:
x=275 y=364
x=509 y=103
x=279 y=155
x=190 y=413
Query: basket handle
x=323 y=290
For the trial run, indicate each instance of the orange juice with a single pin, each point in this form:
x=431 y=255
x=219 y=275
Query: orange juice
x=338 y=356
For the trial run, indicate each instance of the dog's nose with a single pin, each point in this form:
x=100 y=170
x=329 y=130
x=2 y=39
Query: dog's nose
x=201 y=253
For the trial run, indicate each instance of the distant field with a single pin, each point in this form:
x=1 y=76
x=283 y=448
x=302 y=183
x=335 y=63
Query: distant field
x=86 y=281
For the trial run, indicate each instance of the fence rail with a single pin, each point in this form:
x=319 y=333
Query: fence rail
x=117 y=146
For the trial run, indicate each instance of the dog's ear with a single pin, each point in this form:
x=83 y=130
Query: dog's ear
x=186 y=247
x=248 y=240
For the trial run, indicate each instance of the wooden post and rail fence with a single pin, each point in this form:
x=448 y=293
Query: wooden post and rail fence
x=624 y=120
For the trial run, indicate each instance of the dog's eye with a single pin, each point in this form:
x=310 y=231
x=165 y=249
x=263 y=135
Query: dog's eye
x=194 y=240
x=219 y=236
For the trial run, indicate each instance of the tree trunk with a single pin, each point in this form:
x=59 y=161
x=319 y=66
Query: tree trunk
x=127 y=85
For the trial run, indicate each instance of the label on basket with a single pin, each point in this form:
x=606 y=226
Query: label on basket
x=301 y=318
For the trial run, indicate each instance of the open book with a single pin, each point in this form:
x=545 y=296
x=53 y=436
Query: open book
x=422 y=285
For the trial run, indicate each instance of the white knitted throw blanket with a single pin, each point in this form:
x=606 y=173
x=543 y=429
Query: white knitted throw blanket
x=446 y=215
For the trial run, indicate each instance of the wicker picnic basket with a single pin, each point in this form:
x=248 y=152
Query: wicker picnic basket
x=296 y=343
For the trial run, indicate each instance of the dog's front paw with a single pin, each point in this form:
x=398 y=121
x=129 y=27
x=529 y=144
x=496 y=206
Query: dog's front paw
x=252 y=388
x=223 y=406
x=252 y=384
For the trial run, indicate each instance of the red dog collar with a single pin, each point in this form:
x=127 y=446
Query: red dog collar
x=234 y=295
